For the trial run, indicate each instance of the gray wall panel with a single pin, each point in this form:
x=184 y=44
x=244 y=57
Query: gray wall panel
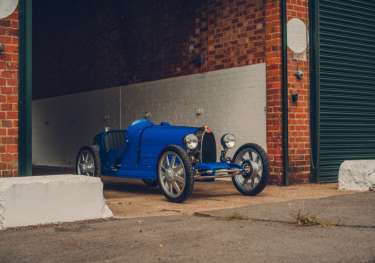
x=61 y=125
x=233 y=100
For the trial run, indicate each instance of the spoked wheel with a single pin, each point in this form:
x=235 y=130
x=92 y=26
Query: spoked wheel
x=88 y=162
x=175 y=174
x=254 y=161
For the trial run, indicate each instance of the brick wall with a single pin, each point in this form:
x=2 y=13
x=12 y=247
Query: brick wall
x=235 y=33
x=222 y=33
x=299 y=114
x=139 y=40
x=9 y=96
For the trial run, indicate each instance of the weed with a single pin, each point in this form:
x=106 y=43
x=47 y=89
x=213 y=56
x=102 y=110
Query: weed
x=306 y=219
x=303 y=218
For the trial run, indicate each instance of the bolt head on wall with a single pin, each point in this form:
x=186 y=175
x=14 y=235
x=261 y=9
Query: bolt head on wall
x=199 y=112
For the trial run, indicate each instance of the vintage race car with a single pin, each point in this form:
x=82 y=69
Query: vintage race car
x=173 y=157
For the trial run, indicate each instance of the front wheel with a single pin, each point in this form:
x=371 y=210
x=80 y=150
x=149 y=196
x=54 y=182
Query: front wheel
x=254 y=162
x=175 y=174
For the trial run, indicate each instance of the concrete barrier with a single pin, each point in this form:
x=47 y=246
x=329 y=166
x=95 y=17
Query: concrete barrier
x=357 y=175
x=26 y=201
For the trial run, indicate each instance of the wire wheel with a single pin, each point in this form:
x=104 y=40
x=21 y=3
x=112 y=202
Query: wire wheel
x=254 y=162
x=172 y=174
x=86 y=163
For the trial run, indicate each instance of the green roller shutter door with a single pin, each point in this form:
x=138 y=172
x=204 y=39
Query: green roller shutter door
x=347 y=84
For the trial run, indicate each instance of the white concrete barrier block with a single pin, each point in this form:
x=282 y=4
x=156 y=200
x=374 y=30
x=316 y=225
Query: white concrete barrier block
x=26 y=201
x=357 y=175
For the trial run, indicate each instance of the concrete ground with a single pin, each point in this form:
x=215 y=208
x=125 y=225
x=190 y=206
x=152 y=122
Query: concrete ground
x=344 y=231
x=130 y=199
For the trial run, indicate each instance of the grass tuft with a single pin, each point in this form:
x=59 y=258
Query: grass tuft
x=306 y=219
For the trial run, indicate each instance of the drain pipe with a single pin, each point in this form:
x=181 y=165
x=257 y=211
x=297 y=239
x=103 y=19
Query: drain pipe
x=25 y=88
x=285 y=110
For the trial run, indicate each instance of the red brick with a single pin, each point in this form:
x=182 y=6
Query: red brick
x=9 y=96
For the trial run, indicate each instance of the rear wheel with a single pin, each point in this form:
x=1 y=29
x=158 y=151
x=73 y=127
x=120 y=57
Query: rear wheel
x=175 y=174
x=88 y=161
x=254 y=161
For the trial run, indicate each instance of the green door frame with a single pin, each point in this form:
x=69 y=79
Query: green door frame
x=25 y=88
x=315 y=88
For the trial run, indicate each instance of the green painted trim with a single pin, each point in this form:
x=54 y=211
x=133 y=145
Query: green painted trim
x=285 y=96
x=25 y=88
x=315 y=88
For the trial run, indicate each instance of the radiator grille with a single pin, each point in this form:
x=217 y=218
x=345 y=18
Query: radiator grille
x=114 y=140
x=208 y=150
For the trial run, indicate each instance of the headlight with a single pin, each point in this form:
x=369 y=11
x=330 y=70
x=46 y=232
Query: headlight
x=228 y=141
x=191 y=141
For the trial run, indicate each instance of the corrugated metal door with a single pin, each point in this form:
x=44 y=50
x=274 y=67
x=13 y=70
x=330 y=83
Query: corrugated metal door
x=347 y=84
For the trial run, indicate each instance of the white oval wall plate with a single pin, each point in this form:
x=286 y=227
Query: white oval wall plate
x=297 y=35
x=7 y=7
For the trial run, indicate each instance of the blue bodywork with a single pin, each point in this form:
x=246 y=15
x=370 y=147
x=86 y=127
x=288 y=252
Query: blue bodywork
x=136 y=153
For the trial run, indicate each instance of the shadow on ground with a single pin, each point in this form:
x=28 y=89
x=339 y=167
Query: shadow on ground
x=132 y=198
x=250 y=233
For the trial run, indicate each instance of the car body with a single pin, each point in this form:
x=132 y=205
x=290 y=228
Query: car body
x=137 y=151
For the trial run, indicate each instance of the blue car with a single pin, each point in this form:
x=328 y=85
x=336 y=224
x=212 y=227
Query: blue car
x=173 y=157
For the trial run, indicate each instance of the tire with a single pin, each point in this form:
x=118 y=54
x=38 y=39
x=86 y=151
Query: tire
x=168 y=174
x=93 y=152
x=262 y=182
x=150 y=182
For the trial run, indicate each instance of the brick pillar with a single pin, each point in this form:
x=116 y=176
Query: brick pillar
x=274 y=88
x=9 y=96
x=299 y=114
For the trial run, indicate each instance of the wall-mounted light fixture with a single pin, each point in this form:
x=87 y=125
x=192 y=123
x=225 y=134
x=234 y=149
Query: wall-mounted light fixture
x=294 y=96
x=299 y=74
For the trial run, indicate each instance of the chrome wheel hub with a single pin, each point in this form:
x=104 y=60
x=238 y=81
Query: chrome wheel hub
x=247 y=168
x=169 y=175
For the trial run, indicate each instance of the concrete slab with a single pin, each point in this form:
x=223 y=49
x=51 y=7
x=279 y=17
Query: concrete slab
x=355 y=209
x=130 y=199
x=358 y=175
x=39 y=200
x=207 y=239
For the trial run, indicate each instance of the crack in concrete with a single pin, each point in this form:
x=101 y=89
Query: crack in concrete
x=245 y=218
x=2 y=211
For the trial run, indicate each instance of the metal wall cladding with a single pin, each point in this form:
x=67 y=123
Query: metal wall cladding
x=347 y=84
